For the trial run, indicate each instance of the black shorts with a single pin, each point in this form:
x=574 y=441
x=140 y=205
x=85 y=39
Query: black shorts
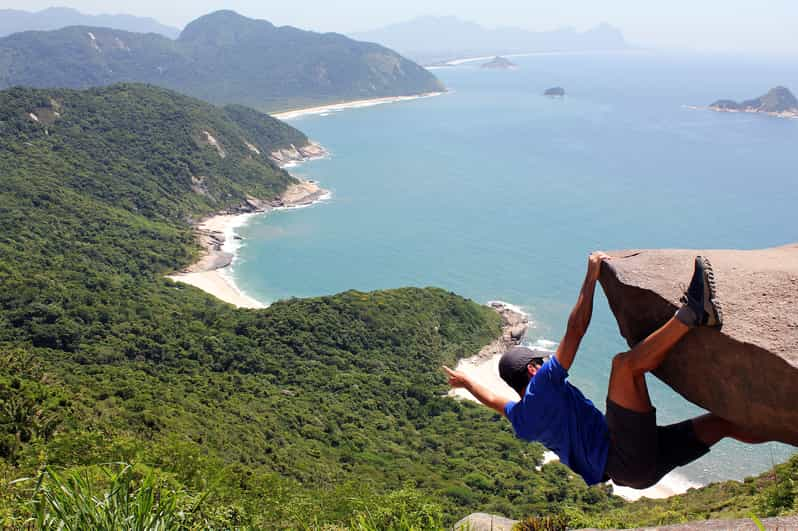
x=641 y=452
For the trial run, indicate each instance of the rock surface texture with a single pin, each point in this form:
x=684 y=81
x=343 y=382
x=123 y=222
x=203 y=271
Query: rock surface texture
x=490 y=522
x=784 y=523
x=747 y=371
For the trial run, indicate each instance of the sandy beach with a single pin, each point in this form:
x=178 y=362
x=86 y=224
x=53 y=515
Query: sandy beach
x=217 y=236
x=485 y=367
x=208 y=274
x=356 y=104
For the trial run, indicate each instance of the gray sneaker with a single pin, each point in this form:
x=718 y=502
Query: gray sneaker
x=701 y=296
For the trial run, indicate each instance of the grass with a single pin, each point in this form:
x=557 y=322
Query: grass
x=107 y=498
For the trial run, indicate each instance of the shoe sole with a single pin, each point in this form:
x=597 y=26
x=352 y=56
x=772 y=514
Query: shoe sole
x=712 y=307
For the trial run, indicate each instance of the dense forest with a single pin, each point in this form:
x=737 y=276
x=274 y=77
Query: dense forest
x=273 y=412
x=118 y=383
x=222 y=58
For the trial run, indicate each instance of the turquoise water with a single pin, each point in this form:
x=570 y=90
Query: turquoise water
x=495 y=192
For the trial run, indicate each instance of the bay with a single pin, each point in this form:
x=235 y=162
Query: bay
x=494 y=191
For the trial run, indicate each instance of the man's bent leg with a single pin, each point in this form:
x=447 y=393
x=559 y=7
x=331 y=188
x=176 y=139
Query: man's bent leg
x=684 y=442
x=631 y=419
x=711 y=428
x=627 y=386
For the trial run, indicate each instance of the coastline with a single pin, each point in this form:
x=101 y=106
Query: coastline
x=789 y=115
x=485 y=367
x=466 y=60
x=353 y=104
x=485 y=364
x=216 y=233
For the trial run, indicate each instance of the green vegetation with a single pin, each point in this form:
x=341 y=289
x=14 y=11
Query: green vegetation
x=74 y=503
x=774 y=493
x=221 y=58
x=312 y=412
x=320 y=412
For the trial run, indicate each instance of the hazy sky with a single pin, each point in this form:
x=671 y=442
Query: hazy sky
x=765 y=26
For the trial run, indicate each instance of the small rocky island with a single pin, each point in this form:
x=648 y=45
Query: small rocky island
x=500 y=63
x=778 y=101
x=555 y=92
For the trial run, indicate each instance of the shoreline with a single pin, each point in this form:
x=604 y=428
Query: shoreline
x=216 y=233
x=353 y=104
x=466 y=60
x=485 y=364
x=485 y=367
x=787 y=115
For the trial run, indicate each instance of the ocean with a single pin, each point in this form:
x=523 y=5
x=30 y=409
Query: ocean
x=494 y=191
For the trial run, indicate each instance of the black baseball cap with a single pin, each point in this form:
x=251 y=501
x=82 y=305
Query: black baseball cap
x=513 y=366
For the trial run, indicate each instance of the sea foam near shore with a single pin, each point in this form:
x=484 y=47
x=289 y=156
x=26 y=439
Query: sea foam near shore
x=213 y=273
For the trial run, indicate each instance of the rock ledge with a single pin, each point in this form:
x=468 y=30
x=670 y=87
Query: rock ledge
x=746 y=372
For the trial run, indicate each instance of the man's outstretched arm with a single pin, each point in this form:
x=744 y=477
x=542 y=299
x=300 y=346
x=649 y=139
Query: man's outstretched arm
x=580 y=316
x=482 y=393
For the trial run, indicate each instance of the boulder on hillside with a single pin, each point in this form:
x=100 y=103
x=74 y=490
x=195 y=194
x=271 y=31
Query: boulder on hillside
x=484 y=522
x=747 y=371
x=490 y=522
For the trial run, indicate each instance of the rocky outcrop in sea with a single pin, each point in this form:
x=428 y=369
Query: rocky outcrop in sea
x=554 y=92
x=294 y=154
x=778 y=101
x=515 y=324
x=500 y=63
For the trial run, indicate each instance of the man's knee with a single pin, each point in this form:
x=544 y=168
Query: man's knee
x=620 y=363
x=623 y=364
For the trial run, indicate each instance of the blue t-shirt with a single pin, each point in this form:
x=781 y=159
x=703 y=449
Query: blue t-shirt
x=556 y=414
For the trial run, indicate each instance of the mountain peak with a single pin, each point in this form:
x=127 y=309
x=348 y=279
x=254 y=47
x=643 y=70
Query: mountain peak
x=223 y=27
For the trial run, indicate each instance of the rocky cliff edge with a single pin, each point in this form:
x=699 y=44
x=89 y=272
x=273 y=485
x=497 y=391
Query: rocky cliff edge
x=747 y=371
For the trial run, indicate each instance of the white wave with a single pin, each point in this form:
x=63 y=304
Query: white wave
x=544 y=344
x=227 y=274
x=671 y=485
x=231 y=243
x=512 y=307
x=321 y=199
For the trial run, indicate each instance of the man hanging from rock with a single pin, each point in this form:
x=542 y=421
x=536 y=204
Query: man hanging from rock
x=625 y=445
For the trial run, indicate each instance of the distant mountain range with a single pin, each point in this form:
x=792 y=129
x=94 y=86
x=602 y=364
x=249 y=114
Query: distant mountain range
x=436 y=39
x=14 y=21
x=222 y=58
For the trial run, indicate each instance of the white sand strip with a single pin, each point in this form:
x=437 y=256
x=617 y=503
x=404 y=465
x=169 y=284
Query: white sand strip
x=211 y=272
x=220 y=286
x=356 y=104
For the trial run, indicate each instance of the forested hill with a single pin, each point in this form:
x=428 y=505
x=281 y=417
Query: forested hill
x=222 y=58
x=309 y=412
x=143 y=148
x=321 y=412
